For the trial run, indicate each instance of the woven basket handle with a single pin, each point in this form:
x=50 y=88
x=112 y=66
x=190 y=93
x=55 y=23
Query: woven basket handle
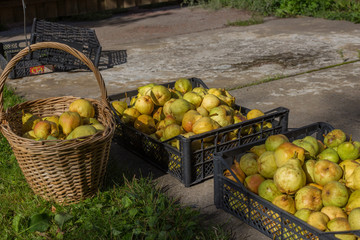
x=41 y=45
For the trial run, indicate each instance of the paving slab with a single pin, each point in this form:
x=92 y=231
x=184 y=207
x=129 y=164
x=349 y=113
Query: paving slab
x=225 y=57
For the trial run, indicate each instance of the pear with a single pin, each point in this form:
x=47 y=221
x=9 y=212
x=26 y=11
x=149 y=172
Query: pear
x=160 y=95
x=252 y=182
x=68 y=121
x=348 y=150
x=310 y=151
x=308 y=197
x=348 y=167
x=144 y=105
x=248 y=163
x=338 y=225
x=221 y=116
x=258 y=149
x=353 y=182
x=334 y=212
x=171 y=131
x=254 y=113
x=318 y=220
x=178 y=108
x=353 y=202
x=29 y=121
x=266 y=164
x=130 y=115
x=289 y=178
x=83 y=107
x=145 y=123
x=144 y=90
x=286 y=151
x=274 y=141
x=89 y=121
x=190 y=117
x=166 y=107
x=334 y=138
x=158 y=114
x=183 y=85
x=203 y=112
x=53 y=118
x=30 y=135
x=329 y=154
x=334 y=193
x=313 y=141
x=201 y=91
x=308 y=168
x=353 y=219
x=82 y=131
x=303 y=214
x=268 y=190
x=45 y=128
x=326 y=171
x=194 y=98
x=203 y=125
x=119 y=106
x=210 y=101
x=98 y=126
x=285 y=202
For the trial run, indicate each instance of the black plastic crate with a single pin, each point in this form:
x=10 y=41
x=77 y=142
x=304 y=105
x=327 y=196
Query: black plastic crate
x=110 y=58
x=188 y=166
x=82 y=39
x=24 y=66
x=255 y=211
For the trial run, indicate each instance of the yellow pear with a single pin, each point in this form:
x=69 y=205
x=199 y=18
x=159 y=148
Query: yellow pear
x=82 y=131
x=83 y=107
x=29 y=121
x=30 y=135
x=54 y=119
x=68 y=121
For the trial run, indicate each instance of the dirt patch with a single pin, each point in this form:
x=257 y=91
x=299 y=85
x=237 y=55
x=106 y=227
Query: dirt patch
x=285 y=60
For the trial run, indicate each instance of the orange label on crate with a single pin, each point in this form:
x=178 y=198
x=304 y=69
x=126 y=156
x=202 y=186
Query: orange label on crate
x=37 y=70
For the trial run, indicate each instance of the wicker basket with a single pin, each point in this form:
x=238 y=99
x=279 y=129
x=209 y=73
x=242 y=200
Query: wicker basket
x=65 y=171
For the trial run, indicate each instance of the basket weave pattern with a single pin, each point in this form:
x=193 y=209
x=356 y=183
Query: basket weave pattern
x=65 y=171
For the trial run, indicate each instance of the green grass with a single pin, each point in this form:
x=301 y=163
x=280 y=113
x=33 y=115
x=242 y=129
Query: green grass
x=252 y=21
x=348 y=10
x=122 y=209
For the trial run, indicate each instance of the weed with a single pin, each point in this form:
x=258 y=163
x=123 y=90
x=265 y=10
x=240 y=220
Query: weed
x=252 y=21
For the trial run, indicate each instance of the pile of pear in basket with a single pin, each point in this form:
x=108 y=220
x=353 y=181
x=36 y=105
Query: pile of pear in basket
x=62 y=144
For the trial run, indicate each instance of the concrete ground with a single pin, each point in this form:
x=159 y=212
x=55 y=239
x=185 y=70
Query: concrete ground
x=313 y=62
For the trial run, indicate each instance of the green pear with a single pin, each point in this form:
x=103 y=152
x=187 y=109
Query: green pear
x=303 y=214
x=268 y=190
x=338 y=225
x=314 y=142
x=266 y=164
x=273 y=141
x=258 y=149
x=308 y=168
x=334 y=138
x=183 y=85
x=308 y=197
x=310 y=151
x=348 y=150
x=353 y=219
x=248 y=163
x=329 y=154
x=334 y=193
